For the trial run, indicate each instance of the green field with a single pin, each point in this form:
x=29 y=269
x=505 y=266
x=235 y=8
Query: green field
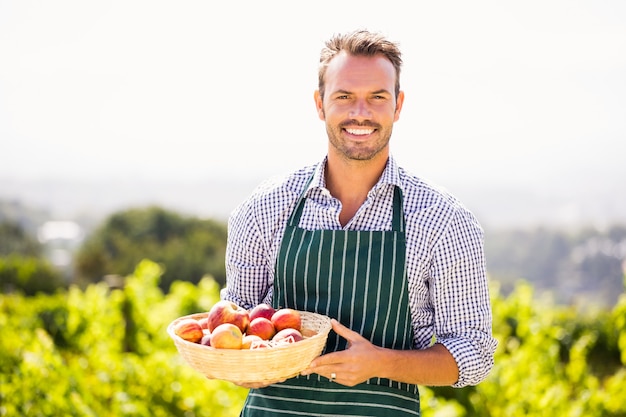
x=105 y=352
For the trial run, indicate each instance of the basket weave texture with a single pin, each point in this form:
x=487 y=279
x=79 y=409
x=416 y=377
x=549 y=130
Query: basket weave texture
x=256 y=365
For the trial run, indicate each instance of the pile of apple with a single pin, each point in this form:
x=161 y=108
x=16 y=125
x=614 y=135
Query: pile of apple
x=228 y=326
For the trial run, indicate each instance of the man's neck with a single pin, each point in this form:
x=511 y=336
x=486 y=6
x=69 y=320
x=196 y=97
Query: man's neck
x=350 y=181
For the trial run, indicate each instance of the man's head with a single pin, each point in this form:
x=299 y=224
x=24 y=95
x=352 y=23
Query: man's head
x=359 y=43
x=359 y=97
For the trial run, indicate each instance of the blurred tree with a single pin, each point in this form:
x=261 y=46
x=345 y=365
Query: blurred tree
x=15 y=240
x=28 y=275
x=22 y=267
x=187 y=248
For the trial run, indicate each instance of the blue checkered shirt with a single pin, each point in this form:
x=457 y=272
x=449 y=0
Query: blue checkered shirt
x=445 y=264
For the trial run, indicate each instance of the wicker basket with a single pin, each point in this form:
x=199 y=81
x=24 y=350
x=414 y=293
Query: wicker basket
x=256 y=365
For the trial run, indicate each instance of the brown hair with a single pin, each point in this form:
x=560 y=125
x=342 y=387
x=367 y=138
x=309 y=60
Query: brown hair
x=359 y=43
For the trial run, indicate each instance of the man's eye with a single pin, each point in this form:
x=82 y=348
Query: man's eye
x=344 y=97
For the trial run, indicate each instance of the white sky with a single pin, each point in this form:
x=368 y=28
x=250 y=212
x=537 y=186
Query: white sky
x=185 y=90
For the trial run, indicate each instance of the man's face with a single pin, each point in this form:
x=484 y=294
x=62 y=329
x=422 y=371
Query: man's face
x=359 y=106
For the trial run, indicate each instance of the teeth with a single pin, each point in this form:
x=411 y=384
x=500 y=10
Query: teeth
x=359 y=131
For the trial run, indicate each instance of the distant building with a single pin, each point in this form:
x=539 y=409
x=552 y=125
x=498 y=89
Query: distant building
x=60 y=239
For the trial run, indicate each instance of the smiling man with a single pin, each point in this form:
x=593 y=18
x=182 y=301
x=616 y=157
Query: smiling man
x=396 y=262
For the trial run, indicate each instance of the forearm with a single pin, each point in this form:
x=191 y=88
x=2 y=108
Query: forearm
x=433 y=366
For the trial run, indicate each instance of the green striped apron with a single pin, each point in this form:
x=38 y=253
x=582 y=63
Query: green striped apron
x=357 y=277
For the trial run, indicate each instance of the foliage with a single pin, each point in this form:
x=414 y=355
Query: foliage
x=99 y=351
x=28 y=275
x=187 y=248
x=550 y=361
x=15 y=240
x=22 y=267
x=102 y=352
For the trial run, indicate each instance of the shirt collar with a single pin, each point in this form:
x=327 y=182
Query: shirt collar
x=390 y=175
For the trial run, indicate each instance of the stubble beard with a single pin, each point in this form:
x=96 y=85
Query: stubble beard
x=358 y=151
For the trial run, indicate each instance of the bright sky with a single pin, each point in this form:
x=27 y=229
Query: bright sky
x=495 y=90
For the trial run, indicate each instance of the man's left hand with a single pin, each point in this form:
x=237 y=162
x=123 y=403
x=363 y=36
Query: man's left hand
x=349 y=367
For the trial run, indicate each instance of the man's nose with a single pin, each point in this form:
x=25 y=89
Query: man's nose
x=360 y=110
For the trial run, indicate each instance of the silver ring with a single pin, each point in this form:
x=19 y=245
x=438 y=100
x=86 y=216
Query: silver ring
x=333 y=376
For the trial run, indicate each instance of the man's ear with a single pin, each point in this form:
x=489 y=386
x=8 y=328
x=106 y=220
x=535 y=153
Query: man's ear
x=399 y=103
x=319 y=105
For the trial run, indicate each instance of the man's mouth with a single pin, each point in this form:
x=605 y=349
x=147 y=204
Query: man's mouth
x=360 y=132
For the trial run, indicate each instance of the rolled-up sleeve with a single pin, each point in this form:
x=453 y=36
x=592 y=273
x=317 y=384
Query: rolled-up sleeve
x=460 y=297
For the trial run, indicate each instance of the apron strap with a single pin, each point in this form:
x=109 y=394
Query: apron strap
x=294 y=219
x=398 y=210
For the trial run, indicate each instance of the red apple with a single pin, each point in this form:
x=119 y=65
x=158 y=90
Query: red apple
x=261 y=327
x=206 y=339
x=246 y=342
x=286 y=318
x=228 y=312
x=226 y=336
x=204 y=322
x=262 y=310
x=289 y=334
x=189 y=329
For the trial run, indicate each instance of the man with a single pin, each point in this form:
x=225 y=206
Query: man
x=397 y=263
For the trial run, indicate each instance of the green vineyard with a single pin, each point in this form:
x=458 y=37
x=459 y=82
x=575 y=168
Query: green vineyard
x=104 y=351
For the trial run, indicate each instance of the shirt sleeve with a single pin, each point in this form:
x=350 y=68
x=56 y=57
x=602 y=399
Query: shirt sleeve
x=248 y=278
x=460 y=296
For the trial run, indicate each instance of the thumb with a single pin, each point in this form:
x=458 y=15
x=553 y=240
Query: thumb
x=350 y=335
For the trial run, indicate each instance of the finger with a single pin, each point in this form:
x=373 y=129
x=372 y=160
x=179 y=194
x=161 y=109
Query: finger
x=252 y=385
x=332 y=358
x=322 y=364
x=350 y=335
